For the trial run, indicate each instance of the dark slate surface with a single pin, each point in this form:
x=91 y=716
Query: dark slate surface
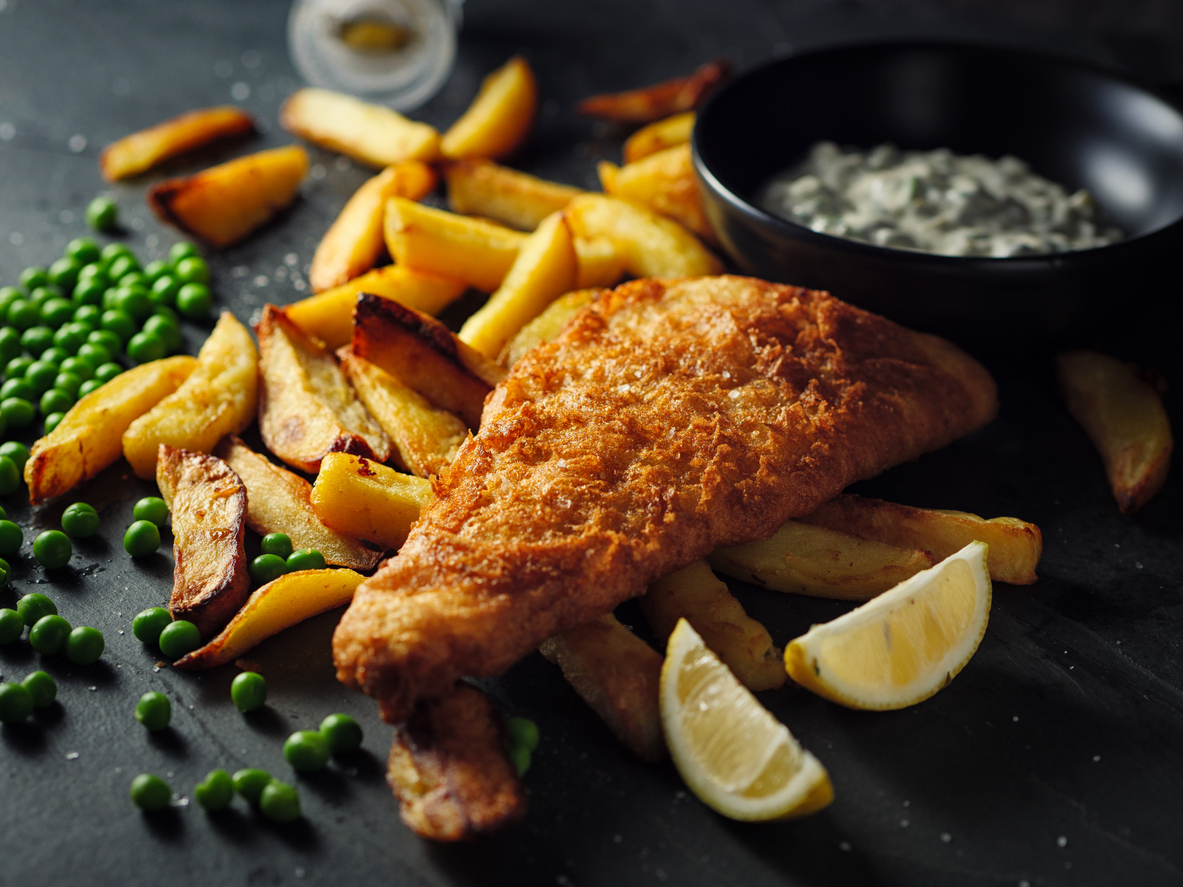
x=1055 y=758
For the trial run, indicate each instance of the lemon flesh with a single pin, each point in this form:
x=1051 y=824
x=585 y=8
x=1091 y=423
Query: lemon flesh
x=732 y=753
x=904 y=645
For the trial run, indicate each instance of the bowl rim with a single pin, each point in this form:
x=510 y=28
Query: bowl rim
x=796 y=230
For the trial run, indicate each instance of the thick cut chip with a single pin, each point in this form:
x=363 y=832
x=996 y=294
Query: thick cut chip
x=140 y=151
x=217 y=399
x=449 y=769
x=90 y=437
x=354 y=242
x=658 y=136
x=544 y=269
x=665 y=183
x=329 y=315
x=736 y=757
x=548 y=324
x=426 y=355
x=279 y=604
x=425 y=438
x=372 y=134
x=601 y=264
x=1015 y=545
x=225 y=203
x=306 y=407
x=477 y=252
x=617 y=675
x=903 y=646
x=279 y=501
x=208 y=505
x=362 y=498
x=1124 y=417
x=806 y=559
x=500 y=116
x=480 y=187
x=695 y=594
x=650 y=245
x=660 y=100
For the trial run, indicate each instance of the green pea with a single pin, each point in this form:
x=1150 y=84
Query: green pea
x=87 y=318
x=89 y=291
x=34 y=607
x=33 y=277
x=279 y=544
x=17 y=452
x=94 y=355
x=522 y=731
x=342 y=733
x=43 y=294
x=154 y=711
x=154 y=269
x=306 y=750
x=134 y=280
x=57 y=400
x=280 y=802
x=42 y=688
x=520 y=756
x=83 y=250
x=141 y=539
x=182 y=250
x=52 y=549
x=69 y=383
x=85 y=645
x=306 y=559
x=250 y=782
x=56 y=312
x=102 y=214
x=150 y=793
x=107 y=339
x=8 y=295
x=215 y=792
x=40 y=375
x=10 y=343
x=165 y=329
x=145 y=347
x=75 y=366
x=149 y=623
x=5 y=572
x=136 y=302
x=151 y=508
x=10 y=476
x=111 y=296
x=112 y=251
x=164 y=290
x=88 y=386
x=11 y=539
x=52 y=421
x=17 y=367
x=17 y=413
x=248 y=691
x=48 y=635
x=179 y=638
x=80 y=521
x=54 y=355
x=194 y=301
x=37 y=339
x=11 y=625
x=107 y=371
x=192 y=269
x=266 y=568
x=23 y=314
x=70 y=337
x=119 y=322
x=96 y=270
x=16 y=703
x=64 y=273
x=122 y=265
x=17 y=388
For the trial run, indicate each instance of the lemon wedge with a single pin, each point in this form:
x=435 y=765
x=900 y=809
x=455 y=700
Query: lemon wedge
x=902 y=646
x=736 y=757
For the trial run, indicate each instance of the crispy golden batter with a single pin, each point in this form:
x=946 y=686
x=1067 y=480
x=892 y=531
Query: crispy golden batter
x=669 y=417
x=449 y=768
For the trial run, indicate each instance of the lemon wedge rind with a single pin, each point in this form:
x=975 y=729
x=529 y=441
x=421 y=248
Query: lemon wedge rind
x=731 y=752
x=903 y=646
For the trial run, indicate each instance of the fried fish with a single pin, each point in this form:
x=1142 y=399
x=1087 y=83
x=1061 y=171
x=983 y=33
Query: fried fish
x=669 y=417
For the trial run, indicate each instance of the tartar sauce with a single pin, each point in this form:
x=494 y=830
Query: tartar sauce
x=935 y=202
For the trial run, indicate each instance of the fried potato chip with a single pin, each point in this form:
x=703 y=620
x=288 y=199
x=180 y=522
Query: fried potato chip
x=658 y=136
x=664 y=182
x=479 y=187
x=660 y=100
x=499 y=118
x=140 y=151
x=372 y=134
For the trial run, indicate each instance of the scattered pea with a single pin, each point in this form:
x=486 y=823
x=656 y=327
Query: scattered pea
x=12 y=626
x=182 y=250
x=52 y=549
x=520 y=756
x=248 y=691
x=194 y=301
x=178 y=638
x=522 y=731
x=154 y=711
x=279 y=544
x=34 y=607
x=150 y=793
x=17 y=413
x=10 y=476
x=48 y=636
x=151 y=508
x=250 y=782
x=280 y=802
x=306 y=559
x=85 y=645
x=11 y=539
x=16 y=703
x=342 y=733
x=266 y=568
x=141 y=539
x=52 y=421
x=42 y=687
x=148 y=624
x=83 y=250
x=17 y=452
x=306 y=750
x=80 y=520
x=102 y=214
x=215 y=792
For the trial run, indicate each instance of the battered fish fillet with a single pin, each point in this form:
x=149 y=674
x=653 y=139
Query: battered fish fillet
x=669 y=417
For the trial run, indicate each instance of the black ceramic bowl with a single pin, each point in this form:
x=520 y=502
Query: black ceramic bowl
x=1075 y=124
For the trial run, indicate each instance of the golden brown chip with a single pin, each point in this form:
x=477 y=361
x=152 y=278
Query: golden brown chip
x=660 y=100
x=140 y=151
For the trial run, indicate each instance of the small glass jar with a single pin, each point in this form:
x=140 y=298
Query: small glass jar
x=394 y=52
